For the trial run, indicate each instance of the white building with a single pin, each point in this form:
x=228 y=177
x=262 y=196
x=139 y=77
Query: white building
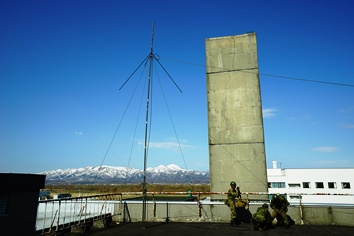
x=313 y=186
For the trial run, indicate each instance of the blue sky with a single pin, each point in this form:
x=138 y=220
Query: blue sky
x=62 y=64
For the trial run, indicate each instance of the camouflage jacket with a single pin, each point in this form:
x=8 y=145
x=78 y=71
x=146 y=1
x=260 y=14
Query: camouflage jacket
x=233 y=194
x=261 y=216
x=280 y=203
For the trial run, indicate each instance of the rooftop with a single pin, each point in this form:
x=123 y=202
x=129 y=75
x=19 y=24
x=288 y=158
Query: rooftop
x=205 y=229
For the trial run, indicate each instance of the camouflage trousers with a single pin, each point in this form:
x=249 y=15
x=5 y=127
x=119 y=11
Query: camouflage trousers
x=281 y=216
x=232 y=206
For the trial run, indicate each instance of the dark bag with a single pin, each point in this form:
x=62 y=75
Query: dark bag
x=291 y=221
x=243 y=215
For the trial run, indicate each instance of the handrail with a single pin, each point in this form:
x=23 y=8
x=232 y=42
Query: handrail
x=68 y=212
x=75 y=211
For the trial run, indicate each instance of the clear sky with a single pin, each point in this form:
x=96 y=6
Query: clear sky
x=62 y=64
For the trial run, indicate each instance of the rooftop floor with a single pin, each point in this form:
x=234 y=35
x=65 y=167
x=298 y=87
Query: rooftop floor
x=205 y=229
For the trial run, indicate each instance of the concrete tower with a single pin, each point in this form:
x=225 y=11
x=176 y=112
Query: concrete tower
x=235 y=122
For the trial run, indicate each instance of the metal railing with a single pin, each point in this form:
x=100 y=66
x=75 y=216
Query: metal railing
x=60 y=214
x=63 y=213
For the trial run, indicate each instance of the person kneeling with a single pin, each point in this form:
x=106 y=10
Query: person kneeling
x=262 y=218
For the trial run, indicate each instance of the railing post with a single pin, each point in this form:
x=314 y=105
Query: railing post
x=51 y=224
x=70 y=214
x=167 y=217
x=85 y=209
x=58 y=221
x=154 y=205
x=301 y=211
x=199 y=206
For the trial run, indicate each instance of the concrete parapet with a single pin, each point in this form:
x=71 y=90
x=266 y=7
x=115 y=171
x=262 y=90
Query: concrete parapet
x=83 y=228
x=328 y=215
x=102 y=223
x=218 y=212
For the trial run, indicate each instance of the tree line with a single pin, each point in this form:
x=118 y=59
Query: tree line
x=77 y=189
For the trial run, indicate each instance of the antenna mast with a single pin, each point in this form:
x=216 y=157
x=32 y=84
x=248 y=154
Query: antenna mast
x=150 y=58
x=144 y=188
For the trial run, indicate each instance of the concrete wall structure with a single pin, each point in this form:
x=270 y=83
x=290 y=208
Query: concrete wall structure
x=19 y=201
x=235 y=122
x=218 y=212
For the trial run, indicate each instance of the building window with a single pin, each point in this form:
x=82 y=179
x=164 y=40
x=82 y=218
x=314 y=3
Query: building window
x=294 y=185
x=294 y=197
x=277 y=184
x=306 y=184
x=346 y=185
x=319 y=185
x=332 y=185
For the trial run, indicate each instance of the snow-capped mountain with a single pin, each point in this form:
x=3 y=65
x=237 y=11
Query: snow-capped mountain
x=118 y=175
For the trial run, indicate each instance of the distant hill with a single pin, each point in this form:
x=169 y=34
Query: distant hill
x=171 y=174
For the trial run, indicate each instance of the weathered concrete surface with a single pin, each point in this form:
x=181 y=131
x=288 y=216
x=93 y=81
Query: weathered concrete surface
x=212 y=229
x=235 y=122
x=217 y=212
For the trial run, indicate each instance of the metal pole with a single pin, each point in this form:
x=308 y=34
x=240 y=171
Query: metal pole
x=167 y=217
x=148 y=98
x=301 y=212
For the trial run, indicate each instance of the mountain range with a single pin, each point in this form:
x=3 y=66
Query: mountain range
x=170 y=174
